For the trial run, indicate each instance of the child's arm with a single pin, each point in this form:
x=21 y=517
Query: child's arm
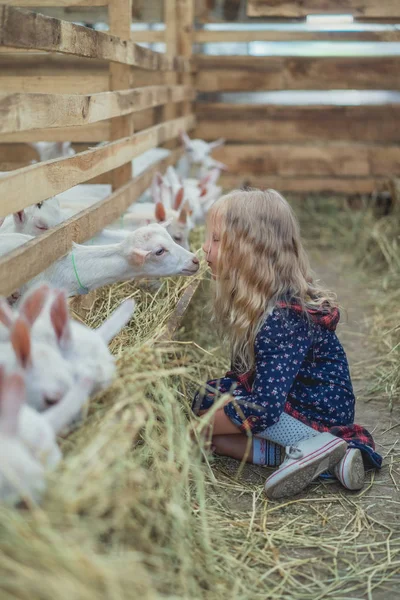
x=281 y=348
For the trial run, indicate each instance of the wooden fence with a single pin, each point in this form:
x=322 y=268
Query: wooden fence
x=302 y=147
x=63 y=82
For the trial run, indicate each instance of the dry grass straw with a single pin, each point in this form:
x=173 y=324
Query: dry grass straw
x=137 y=511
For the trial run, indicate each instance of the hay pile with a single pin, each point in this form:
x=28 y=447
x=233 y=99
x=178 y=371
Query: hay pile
x=138 y=511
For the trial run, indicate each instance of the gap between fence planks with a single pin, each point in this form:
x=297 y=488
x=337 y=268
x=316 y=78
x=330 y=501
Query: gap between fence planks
x=23 y=29
x=26 y=262
x=252 y=123
x=38 y=182
x=252 y=35
x=295 y=8
x=23 y=112
x=252 y=73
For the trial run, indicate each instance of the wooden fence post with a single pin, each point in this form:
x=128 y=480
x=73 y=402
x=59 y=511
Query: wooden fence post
x=185 y=20
x=171 y=49
x=120 y=16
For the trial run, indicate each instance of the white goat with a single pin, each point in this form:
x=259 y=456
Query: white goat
x=50 y=150
x=197 y=152
x=34 y=220
x=28 y=439
x=147 y=252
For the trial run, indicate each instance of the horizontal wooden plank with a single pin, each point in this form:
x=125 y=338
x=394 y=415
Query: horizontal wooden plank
x=26 y=262
x=295 y=9
x=45 y=72
x=256 y=123
x=97 y=132
x=305 y=185
x=271 y=35
x=324 y=160
x=241 y=73
x=32 y=184
x=148 y=36
x=51 y=3
x=22 y=112
x=24 y=29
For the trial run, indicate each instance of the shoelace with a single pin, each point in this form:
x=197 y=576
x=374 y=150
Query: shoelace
x=293 y=452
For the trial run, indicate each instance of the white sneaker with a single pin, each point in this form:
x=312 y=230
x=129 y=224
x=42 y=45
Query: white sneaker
x=304 y=462
x=350 y=470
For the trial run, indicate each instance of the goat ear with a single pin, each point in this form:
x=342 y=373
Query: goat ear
x=155 y=187
x=33 y=303
x=203 y=191
x=12 y=397
x=185 y=138
x=19 y=218
x=178 y=198
x=117 y=321
x=6 y=313
x=20 y=338
x=138 y=256
x=160 y=213
x=183 y=214
x=217 y=143
x=59 y=317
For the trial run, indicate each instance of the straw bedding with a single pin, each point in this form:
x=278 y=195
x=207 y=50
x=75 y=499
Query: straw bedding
x=137 y=510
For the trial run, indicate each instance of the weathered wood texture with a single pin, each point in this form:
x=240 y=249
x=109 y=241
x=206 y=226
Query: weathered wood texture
x=305 y=185
x=185 y=18
x=32 y=184
x=276 y=124
x=324 y=160
x=24 y=29
x=251 y=73
x=170 y=111
x=209 y=37
x=120 y=78
x=45 y=72
x=23 y=112
x=29 y=260
x=295 y=8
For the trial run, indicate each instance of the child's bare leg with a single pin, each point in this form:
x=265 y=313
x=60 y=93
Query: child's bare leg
x=236 y=446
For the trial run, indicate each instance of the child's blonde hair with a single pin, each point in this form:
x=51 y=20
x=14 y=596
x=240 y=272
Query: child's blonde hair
x=261 y=261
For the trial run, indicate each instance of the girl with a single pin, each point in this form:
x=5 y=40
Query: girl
x=290 y=383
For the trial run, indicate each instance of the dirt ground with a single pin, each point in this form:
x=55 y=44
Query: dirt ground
x=348 y=542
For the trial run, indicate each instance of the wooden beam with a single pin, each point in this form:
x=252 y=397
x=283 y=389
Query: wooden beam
x=251 y=73
x=96 y=132
x=296 y=9
x=22 y=29
x=185 y=18
x=29 y=260
x=305 y=185
x=148 y=36
x=120 y=16
x=175 y=320
x=323 y=160
x=38 y=182
x=270 y=35
x=170 y=111
x=51 y=3
x=23 y=112
x=256 y=123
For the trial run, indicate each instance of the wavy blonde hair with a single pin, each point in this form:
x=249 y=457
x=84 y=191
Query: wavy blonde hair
x=261 y=261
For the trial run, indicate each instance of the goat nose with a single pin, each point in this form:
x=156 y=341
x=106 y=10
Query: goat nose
x=195 y=260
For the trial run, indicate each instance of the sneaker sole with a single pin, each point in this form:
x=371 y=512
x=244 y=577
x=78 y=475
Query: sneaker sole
x=305 y=470
x=351 y=472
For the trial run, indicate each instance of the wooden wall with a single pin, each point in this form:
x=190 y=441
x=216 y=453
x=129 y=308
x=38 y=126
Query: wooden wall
x=301 y=146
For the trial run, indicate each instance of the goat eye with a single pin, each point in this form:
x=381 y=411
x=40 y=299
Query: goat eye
x=39 y=204
x=160 y=252
x=177 y=238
